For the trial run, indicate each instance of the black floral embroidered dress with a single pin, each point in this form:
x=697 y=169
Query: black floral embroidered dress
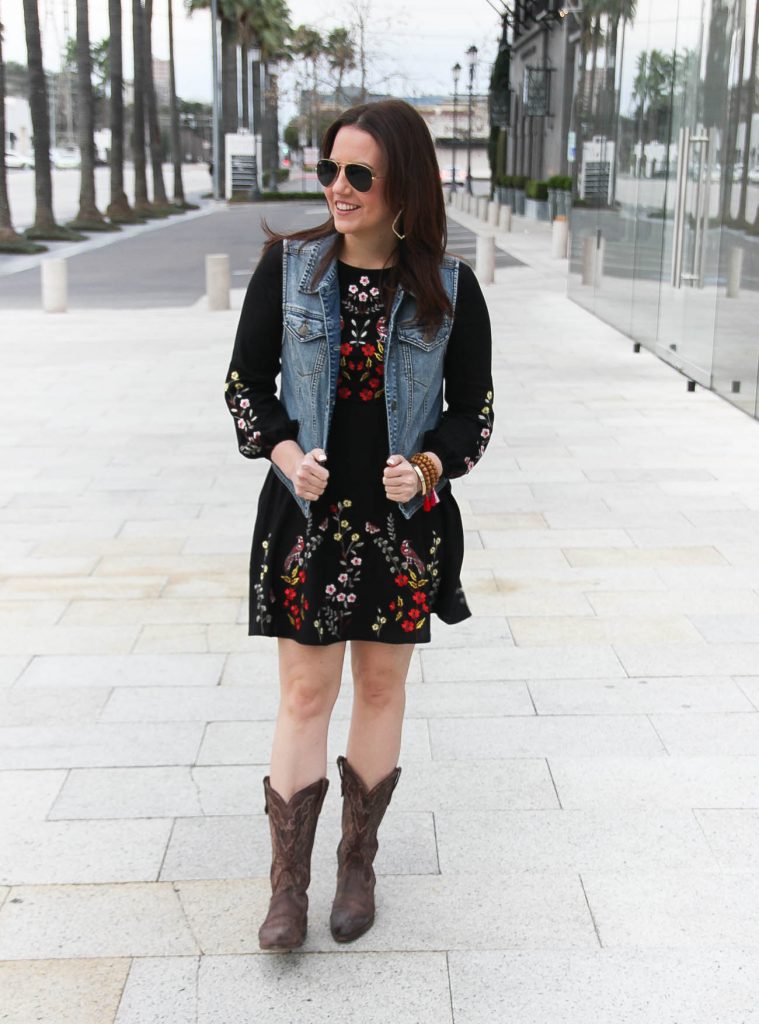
x=356 y=568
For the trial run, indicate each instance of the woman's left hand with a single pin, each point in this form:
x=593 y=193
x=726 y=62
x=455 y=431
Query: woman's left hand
x=400 y=479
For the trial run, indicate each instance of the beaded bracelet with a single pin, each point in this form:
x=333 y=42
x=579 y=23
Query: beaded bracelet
x=431 y=477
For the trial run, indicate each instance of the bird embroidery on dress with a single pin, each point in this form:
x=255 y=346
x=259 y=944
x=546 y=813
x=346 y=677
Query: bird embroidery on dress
x=293 y=556
x=408 y=553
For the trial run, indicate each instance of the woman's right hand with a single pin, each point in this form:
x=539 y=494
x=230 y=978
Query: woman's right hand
x=310 y=477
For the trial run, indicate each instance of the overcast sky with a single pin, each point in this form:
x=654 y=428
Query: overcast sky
x=413 y=45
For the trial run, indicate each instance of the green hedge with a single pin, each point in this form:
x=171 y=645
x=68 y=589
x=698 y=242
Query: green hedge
x=535 y=189
x=519 y=180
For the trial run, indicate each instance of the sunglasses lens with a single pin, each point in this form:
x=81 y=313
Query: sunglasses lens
x=326 y=172
x=359 y=177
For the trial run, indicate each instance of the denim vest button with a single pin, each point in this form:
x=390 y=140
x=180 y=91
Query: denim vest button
x=303 y=330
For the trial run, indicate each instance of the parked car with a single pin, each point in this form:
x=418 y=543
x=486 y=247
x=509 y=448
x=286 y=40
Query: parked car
x=14 y=159
x=65 y=159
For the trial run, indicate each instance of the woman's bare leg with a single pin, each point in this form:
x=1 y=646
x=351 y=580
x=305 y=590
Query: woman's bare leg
x=309 y=685
x=379 y=701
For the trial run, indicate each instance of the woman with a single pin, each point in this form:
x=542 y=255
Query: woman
x=358 y=536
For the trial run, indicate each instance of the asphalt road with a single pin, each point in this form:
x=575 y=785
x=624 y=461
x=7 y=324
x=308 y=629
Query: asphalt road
x=164 y=264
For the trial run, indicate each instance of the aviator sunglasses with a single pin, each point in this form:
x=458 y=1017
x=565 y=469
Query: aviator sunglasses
x=359 y=176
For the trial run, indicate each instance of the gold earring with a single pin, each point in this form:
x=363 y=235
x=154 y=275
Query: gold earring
x=395 y=229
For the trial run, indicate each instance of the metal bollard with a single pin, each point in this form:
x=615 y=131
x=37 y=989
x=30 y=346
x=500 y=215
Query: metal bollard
x=485 y=260
x=217 y=280
x=559 y=238
x=482 y=207
x=734 y=271
x=504 y=219
x=494 y=208
x=54 y=275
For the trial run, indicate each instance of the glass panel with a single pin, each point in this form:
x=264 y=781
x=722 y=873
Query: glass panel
x=736 y=343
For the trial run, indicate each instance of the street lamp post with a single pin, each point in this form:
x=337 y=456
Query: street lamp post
x=471 y=54
x=456 y=70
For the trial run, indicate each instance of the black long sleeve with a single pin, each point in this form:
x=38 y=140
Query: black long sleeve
x=261 y=420
x=465 y=429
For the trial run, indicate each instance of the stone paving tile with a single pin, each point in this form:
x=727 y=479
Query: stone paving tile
x=39 y=705
x=30 y=613
x=689 y=602
x=245 y=742
x=414 y=912
x=733 y=835
x=668 y=986
x=750 y=686
x=596 y=736
x=164 y=610
x=11 y=668
x=35 y=853
x=643 y=556
x=549 y=630
x=521 y=663
x=709 y=733
x=407 y=988
x=637 y=696
x=92 y=793
x=732 y=629
x=240 y=847
x=689 y=660
x=100 y=745
x=64 y=921
x=667 y=781
x=67 y=639
x=674 y=908
x=80 y=991
x=161 y=989
x=28 y=795
x=34 y=588
x=122 y=670
x=570 y=840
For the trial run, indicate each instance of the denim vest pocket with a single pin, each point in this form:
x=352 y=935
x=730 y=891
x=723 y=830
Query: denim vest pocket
x=305 y=342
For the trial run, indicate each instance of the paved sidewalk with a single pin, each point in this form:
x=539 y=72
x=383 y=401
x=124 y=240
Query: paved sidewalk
x=576 y=831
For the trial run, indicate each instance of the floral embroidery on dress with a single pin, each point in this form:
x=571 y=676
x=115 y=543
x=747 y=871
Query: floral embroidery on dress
x=248 y=435
x=296 y=573
x=263 y=614
x=486 y=419
x=362 y=351
x=340 y=595
x=417 y=581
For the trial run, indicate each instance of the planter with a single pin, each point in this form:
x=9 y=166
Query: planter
x=519 y=202
x=567 y=197
x=508 y=197
x=536 y=209
x=500 y=194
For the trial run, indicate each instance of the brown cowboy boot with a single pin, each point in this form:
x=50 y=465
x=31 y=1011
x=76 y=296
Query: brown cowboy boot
x=293 y=827
x=353 y=906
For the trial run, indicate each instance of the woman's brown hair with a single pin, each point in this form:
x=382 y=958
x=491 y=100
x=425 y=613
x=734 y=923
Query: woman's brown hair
x=412 y=184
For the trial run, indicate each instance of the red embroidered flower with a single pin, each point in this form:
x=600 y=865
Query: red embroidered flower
x=401 y=580
x=374 y=382
x=368 y=349
x=366 y=394
x=351 y=365
x=290 y=594
x=425 y=608
x=407 y=626
x=302 y=576
x=418 y=597
x=345 y=349
x=414 y=613
x=391 y=606
x=379 y=368
x=359 y=365
x=344 y=392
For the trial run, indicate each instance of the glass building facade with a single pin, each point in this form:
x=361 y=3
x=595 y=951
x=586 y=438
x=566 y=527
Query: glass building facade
x=665 y=234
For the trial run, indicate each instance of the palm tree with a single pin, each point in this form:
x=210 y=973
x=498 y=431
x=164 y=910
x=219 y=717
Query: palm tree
x=141 y=202
x=45 y=226
x=308 y=44
x=160 y=201
x=10 y=241
x=341 y=57
x=89 y=216
x=119 y=210
x=176 y=153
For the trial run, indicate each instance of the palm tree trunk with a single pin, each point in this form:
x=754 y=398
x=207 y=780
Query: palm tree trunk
x=88 y=212
x=7 y=234
x=244 y=114
x=272 y=102
x=44 y=221
x=119 y=210
x=228 y=92
x=154 y=130
x=141 y=202
x=734 y=97
x=751 y=106
x=176 y=151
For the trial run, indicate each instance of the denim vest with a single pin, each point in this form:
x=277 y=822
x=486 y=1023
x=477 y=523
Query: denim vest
x=311 y=359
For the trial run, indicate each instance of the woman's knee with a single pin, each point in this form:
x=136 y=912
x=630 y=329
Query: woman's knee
x=305 y=698
x=378 y=685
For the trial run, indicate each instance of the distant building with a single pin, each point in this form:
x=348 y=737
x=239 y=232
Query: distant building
x=18 y=125
x=162 y=81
